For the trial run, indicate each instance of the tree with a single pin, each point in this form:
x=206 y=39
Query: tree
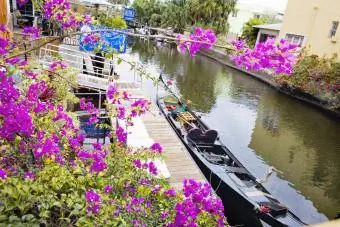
x=249 y=33
x=146 y=8
x=215 y=13
x=174 y=15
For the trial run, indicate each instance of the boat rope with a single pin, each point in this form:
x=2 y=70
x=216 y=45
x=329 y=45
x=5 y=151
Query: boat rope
x=219 y=184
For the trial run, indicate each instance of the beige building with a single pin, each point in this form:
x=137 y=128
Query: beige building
x=313 y=23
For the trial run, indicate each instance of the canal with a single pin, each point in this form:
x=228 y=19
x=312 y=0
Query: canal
x=262 y=127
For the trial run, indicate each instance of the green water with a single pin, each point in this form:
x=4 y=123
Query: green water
x=262 y=127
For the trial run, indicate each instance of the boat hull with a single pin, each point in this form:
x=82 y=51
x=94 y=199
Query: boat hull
x=238 y=209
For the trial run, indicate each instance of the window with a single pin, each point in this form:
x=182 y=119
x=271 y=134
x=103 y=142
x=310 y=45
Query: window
x=335 y=25
x=264 y=37
x=27 y=9
x=297 y=39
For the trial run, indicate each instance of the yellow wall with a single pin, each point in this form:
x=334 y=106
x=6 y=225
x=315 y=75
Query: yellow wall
x=4 y=15
x=313 y=19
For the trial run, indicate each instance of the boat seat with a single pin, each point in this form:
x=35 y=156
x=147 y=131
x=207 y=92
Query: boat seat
x=197 y=136
x=213 y=159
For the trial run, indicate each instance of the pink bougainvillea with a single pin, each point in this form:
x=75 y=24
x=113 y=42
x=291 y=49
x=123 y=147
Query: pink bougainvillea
x=278 y=58
x=200 y=38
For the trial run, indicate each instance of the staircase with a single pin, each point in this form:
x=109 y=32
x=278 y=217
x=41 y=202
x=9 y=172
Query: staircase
x=94 y=71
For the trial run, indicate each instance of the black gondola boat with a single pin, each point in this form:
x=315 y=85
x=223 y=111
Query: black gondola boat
x=243 y=196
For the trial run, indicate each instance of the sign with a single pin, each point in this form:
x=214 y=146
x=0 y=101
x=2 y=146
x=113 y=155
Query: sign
x=129 y=14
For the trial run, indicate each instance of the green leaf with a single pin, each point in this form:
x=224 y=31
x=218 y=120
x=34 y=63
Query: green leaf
x=14 y=218
x=27 y=217
x=57 y=204
x=3 y=218
x=119 y=61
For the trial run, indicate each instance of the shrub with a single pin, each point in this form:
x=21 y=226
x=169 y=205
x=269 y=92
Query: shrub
x=318 y=76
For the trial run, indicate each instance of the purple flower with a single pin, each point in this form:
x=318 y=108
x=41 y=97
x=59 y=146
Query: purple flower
x=21 y=3
x=156 y=147
x=82 y=104
x=137 y=163
x=31 y=32
x=121 y=112
x=57 y=65
x=198 y=199
x=280 y=58
x=3 y=174
x=164 y=215
x=198 y=39
x=29 y=175
x=97 y=146
x=13 y=61
x=93 y=120
x=3 y=46
x=108 y=188
x=238 y=44
x=93 y=201
x=98 y=166
x=152 y=168
x=170 y=192
x=3 y=28
x=121 y=135
x=111 y=91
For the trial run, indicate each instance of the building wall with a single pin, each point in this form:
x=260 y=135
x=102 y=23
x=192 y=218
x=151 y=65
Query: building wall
x=267 y=32
x=313 y=20
x=236 y=23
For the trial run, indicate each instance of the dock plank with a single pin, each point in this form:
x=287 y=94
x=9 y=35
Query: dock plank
x=178 y=160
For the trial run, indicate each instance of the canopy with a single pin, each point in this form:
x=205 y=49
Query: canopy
x=96 y=2
x=108 y=40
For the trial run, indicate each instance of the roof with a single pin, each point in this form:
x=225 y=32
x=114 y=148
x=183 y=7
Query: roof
x=276 y=27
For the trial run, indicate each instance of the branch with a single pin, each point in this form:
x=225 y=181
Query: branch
x=57 y=74
x=120 y=32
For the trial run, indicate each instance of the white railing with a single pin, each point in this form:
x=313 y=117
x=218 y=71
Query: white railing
x=95 y=71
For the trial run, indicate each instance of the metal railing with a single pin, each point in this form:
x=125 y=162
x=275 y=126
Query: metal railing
x=95 y=71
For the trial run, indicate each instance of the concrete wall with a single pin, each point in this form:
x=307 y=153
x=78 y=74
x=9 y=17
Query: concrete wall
x=313 y=20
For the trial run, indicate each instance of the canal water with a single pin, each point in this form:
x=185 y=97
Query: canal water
x=262 y=127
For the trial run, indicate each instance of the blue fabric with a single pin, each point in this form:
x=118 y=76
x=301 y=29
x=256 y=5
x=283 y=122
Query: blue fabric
x=108 y=40
x=91 y=130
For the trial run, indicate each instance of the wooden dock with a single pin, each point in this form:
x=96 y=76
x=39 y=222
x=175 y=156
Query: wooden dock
x=178 y=160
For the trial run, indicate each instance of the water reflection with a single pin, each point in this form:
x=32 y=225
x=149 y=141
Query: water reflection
x=305 y=147
x=262 y=128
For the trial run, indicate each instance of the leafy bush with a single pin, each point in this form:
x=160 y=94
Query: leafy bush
x=111 y=22
x=318 y=76
x=249 y=33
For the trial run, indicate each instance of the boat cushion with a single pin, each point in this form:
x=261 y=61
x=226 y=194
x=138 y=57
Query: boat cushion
x=196 y=135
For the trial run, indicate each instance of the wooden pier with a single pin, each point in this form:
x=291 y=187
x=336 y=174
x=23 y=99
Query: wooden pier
x=179 y=163
x=178 y=160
